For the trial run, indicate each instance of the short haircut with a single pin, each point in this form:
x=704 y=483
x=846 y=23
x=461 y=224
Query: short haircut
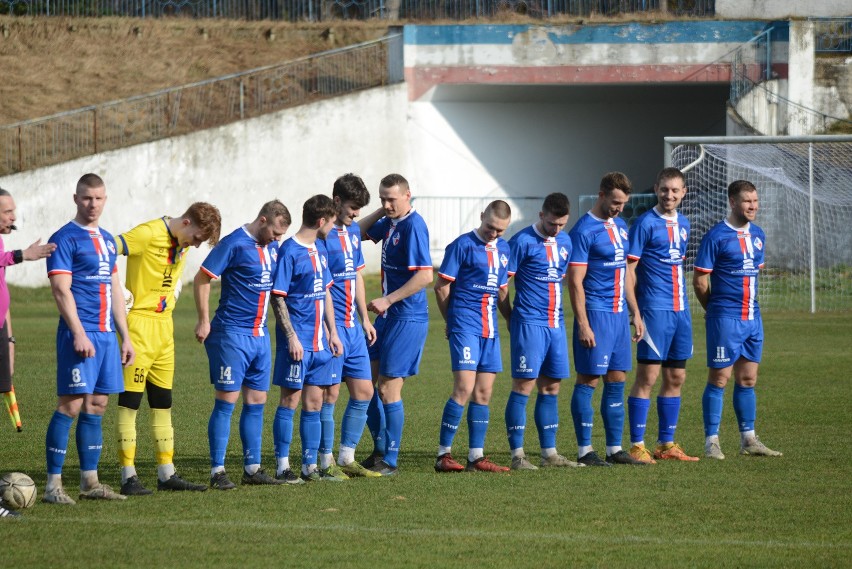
x=392 y=180
x=89 y=181
x=616 y=181
x=669 y=173
x=556 y=204
x=205 y=217
x=351 y=188
x=498 y=209
x=4 y=193
x=317 y=207
x=274 y=209
x=738 y=187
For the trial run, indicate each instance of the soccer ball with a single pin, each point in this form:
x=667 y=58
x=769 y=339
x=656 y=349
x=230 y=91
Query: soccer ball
x=128 y=300
x=17 y=490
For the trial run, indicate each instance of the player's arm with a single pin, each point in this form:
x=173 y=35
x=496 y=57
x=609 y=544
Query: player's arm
x=504 y=303
x=576 y=275
x=201 y=290
x=418 y=281
x=369 y=220
x=701 y=284
x=11 y=344
x=361 y=305
x=333 y=339
x=119 y=316
x=282 y=319
x=60 y=286
x=632 y=305
x=443 y=289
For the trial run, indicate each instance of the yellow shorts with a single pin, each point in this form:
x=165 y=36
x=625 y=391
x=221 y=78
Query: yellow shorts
x=154 y=341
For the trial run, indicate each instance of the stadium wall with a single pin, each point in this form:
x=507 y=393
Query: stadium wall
x=781 y=9
x=290 y=155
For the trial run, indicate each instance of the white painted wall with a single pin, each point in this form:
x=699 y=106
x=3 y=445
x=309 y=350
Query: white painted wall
x=290 y=155
x=781 y=9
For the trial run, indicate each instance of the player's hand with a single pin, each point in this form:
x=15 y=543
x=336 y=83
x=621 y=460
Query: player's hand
x=202 y=330
x=38 y=251
x=128 y=354
x=83 y=346
x=370 y=332
x=638 y=327
x=586 y=336
x=379 y=305
x=336 y=345
x=294 y=348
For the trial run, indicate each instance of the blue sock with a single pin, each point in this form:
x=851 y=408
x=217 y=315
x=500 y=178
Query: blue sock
x=546 y=416
x=219 y=431
x=310 y=429
x=352 y=425
x=668 y=409
x=327 y=422
x=90 y=440
x=56 y=441
x=612 y=412
x=251 y=432
x=376 y=423
x=450 y=421
x=478 y=416
x=282 y=431
x=745 y=407
x=637 y=409
x=582 y=413
x=711 y=404
x=516 y=419
x=394 y=421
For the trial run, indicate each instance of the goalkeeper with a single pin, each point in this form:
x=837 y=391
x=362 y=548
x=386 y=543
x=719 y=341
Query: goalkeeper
x=156 y=253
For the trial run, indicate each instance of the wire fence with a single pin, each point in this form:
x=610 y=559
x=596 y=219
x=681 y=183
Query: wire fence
x=321 y=10
x=206 y=104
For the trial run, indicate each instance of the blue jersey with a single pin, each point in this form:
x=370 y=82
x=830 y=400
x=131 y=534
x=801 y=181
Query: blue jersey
x=658 y=243
x=303 y=278
x=601 y=245
x=246 y=270
x=405 y=248
x=538 y=264
x=344 y=260
x=733 y=257
x=87 y=254
x=477 y=270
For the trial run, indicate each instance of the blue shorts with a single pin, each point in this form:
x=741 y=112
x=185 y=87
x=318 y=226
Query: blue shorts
x=81 y=376
x=472 y=352
x=612 y=344
x=315 y=368
x=668 y=336
x=729 y=339
x=375 y=351
x=355 y=362
x=538 y=350
x=401 y=347
x=237 y=360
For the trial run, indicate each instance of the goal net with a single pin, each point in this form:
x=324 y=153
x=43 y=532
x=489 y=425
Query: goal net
x=805 y=190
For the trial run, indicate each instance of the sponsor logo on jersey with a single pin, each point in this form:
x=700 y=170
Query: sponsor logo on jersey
x=683 y=235
x=504 y=260
x=395 y=239
x=623 y=233
x=758 y=243
x=563 y=253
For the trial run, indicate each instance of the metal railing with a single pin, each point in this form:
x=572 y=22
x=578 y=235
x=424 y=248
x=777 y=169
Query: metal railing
x=321 y=10
x=832 y=35
x=206 y=104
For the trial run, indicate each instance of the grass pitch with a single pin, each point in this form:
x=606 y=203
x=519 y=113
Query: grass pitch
x=744 y=511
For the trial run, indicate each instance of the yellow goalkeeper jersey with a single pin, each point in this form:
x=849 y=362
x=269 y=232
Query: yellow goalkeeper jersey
x=154 y=265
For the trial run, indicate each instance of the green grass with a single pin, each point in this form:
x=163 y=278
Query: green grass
x=792 y=511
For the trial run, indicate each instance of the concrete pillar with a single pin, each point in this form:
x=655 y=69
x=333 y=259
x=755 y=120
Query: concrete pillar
x=801 y=120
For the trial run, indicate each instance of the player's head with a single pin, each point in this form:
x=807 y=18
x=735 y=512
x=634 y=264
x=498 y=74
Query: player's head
x=272 y=221
x=90 y=198
x=495 y=220
x=613 y=195
x=742 y=196
x=350 y=195
x=554 y=214
x=7 y=212
x=319 y=213
x=670 y=188
x=395 y=196
x=200 y=223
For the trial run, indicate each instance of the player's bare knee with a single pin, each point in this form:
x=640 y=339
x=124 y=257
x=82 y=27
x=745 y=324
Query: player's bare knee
x=95 y=404
x=522 y=386
x=158 y=397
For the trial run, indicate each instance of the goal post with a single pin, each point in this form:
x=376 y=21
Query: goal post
x=805 y=189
